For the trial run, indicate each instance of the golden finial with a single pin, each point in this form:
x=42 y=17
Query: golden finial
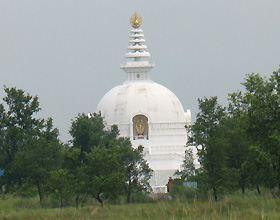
x=136 y=20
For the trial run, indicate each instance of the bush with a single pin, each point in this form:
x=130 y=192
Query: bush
x=27 y=191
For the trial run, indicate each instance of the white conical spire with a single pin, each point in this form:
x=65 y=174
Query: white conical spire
x=137 y=69
x=136 y=49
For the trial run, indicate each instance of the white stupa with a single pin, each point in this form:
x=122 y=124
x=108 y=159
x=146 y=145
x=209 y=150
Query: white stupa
x=147 y=112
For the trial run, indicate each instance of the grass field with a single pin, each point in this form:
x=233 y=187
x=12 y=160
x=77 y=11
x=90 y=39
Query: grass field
x=229 y=207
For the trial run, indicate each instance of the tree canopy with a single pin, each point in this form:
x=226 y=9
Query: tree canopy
x=29 y=147
x=96 y=163
x=239 y=145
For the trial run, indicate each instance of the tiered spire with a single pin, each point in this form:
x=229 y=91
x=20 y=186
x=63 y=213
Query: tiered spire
x=136 y=48
x=138 y=69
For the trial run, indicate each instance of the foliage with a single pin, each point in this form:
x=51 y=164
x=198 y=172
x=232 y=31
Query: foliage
x=89 y=131
x=136 y=169
x=29 y=147
x=106 y=163
x=60 y=183
x=239 y=145
x=188 y=168
x=208 y=136
x=262 y=99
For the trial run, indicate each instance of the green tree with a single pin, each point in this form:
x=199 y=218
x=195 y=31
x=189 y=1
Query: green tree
x=260 y=108
x=39 y=157
x=72 y=165
x=106 y=163
x=136 y=169
x=89 y=131
x=29 y=147
x=257 y=167
x=188 y=168
x=104 y=173
x=235 y=126
x=18 y=125
x=60 y=183
x=207 y=134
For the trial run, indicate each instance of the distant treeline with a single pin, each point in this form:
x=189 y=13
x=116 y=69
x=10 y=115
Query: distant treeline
x=238 y=148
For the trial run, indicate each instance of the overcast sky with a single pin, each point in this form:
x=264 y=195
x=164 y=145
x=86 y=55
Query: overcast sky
x=69 y=52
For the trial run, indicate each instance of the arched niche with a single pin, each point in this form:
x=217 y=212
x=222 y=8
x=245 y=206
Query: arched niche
x=140 y=127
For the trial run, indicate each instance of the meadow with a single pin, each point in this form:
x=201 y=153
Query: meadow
x=235 y=206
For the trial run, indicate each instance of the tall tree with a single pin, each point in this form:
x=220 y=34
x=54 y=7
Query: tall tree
x=88 y=132
x=262 y=101
x=40 y=156
x=19 y=126
x=207 y=136
x=235 y=127
x=29 y=147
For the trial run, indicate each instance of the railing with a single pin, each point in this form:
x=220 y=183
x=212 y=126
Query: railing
x=141 y=137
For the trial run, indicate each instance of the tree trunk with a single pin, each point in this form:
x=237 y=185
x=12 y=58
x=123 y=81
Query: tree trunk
x=77 y=202
x=99 y=199
x=243 y=189
x=128 y=192
x=215 y=193
x=61 y=200
x=243 y=186
x=258 y=189
x=39 y=191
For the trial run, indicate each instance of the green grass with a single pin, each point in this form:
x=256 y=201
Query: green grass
x=229 y=207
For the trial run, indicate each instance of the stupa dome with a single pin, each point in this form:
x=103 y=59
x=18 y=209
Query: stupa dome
x=153 y=100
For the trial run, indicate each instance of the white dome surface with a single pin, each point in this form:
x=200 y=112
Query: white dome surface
x=153 y=100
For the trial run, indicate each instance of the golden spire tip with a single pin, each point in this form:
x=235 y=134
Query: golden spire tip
x=136 y=20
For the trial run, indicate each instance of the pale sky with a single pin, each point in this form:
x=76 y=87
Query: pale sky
x=69 y=52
